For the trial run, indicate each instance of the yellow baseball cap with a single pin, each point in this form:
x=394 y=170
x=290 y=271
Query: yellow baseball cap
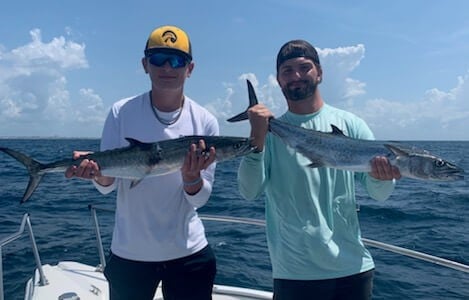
x=169 y=39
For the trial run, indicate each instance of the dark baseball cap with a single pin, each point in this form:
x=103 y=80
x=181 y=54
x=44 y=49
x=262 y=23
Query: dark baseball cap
x=297 y=48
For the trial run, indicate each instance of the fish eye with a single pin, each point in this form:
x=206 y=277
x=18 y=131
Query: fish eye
x=440 y=163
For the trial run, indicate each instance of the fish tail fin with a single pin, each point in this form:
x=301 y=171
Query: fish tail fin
x=252 y=101
x=34 y=167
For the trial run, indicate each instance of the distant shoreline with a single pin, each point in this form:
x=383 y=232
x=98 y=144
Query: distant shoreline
x=46 y=138
x=97 y=138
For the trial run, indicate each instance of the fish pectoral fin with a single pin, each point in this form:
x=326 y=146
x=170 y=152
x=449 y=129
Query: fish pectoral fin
x=135 y=182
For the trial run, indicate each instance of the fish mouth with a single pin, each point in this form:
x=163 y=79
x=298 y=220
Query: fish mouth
x=455 y=177
x=458 y=175
x=451 y=175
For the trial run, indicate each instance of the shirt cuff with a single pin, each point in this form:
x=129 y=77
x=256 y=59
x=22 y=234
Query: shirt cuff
x=200 y=198
x=105 y=189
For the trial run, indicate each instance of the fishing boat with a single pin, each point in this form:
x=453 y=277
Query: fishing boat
x=73 y=280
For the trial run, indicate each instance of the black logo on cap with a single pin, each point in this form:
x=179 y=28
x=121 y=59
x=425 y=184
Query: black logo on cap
x=169 y=36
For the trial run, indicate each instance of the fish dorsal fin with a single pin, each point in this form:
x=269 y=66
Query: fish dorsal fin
x=315 y=164
x=137 y=143
x=336 y=130
x=396 y=150
x=134 y=142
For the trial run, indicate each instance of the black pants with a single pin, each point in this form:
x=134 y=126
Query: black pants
x=187 y=278
x=355 y=287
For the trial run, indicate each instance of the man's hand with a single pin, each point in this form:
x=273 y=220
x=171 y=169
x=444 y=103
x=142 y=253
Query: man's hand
x=259 y=116
x=88 y=169
x=196 y=160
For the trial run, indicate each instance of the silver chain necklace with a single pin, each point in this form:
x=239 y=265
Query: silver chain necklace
x=162 y=121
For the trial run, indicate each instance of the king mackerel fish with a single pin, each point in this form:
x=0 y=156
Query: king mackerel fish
x=335 y=150
x=138 y=160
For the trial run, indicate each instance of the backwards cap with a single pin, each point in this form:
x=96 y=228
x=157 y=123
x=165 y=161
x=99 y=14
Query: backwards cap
x=169 y=39
x=297 y=48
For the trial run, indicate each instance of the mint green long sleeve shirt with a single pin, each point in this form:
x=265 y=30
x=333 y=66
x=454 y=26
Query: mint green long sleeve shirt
x=312 y=228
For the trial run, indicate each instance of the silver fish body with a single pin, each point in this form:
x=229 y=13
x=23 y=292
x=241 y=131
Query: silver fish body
x=138 y=160
x=335 y=150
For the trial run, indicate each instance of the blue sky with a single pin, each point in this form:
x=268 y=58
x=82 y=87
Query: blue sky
x=403 y=66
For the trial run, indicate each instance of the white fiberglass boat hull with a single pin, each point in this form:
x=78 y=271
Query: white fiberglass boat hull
x=69 y=280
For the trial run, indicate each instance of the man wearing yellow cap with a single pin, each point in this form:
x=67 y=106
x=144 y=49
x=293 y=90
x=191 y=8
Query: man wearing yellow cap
x=158 y=236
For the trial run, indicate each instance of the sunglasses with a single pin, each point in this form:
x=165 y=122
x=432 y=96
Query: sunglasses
x=175 y=60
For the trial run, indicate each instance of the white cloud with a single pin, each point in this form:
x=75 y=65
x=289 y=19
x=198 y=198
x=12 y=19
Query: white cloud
x=338 y=63
x=34 y=99
x=89 y=107
x=438 y=115
x=58 y=53
x=222 y=107
x=236 y=101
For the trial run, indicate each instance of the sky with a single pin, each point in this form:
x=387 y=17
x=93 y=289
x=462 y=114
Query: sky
x=402 y=66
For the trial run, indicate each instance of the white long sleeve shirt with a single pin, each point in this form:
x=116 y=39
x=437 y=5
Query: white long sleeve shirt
x=156 y=220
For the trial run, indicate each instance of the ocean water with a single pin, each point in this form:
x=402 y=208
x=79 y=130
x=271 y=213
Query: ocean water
x=424 y=216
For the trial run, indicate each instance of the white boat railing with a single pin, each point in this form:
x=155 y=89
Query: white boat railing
x=391 y=248
x=387 y=247
x=26 y=223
